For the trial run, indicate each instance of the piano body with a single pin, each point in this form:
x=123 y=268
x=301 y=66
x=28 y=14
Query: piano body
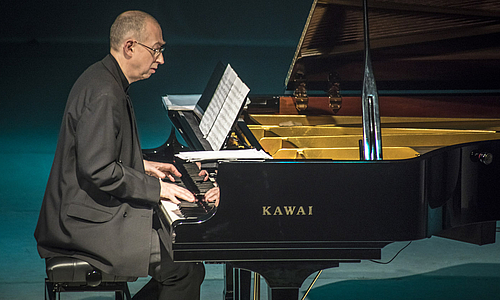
x=317 y=204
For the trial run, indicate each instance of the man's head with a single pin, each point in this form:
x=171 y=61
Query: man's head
x=136 y=43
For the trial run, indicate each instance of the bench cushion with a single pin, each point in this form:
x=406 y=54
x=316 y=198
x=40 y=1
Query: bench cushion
x=68 y=269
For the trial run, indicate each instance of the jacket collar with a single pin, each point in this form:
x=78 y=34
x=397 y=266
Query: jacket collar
x=114 y=68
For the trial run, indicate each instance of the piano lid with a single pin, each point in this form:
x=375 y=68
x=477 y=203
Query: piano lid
x=415 y=45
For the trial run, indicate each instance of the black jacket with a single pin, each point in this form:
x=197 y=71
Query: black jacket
x=98 y=204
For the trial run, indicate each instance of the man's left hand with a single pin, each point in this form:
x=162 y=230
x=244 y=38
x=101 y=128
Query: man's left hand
x=161 y=170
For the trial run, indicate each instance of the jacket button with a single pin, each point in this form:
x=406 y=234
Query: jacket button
x=124 y=214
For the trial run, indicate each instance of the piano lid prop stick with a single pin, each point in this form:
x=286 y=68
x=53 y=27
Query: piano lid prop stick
x=256 y=286
x=372 y=139
x=311 y=285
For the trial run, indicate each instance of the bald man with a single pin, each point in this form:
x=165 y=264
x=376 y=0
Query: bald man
x=98 y=204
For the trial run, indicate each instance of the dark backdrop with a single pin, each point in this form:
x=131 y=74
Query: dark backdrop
x=45 y=45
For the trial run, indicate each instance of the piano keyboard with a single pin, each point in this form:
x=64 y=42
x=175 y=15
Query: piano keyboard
x=194 y=183
x=191 y=181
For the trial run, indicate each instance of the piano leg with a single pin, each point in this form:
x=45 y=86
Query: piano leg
x=236 y=284
x=285 y=278
x=245 y=283
x=228 y=283
x=284 y=293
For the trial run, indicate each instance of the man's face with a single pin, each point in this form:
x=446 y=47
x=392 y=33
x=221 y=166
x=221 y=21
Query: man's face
x=146 y=60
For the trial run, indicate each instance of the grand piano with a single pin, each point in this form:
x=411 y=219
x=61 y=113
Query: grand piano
x=319 y=202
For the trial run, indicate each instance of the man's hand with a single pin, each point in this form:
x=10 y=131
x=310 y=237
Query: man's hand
x=213 y=195
x=161 y=170
x=174 y=192
x=203 y=173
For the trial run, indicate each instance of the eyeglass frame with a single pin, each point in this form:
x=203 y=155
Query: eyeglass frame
x=157 y=52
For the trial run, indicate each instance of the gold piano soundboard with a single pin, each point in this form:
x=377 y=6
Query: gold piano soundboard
x=337 y=137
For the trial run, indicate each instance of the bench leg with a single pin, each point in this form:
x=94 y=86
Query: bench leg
x=50 y=293
x=124 y=293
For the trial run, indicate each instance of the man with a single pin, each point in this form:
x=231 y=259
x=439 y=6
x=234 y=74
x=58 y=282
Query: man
x=98 y=205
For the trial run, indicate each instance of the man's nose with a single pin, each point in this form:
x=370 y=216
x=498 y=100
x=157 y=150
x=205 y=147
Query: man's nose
x=160 y=60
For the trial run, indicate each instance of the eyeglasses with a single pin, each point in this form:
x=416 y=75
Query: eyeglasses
x=156 y=52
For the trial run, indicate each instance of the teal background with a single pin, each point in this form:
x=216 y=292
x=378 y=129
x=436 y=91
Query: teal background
x=45 y=45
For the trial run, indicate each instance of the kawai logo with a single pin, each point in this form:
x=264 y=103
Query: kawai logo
x=287 y=210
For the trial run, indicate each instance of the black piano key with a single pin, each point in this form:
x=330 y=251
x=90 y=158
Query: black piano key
x=205 y=186
x=188 y=171
x=198 y=186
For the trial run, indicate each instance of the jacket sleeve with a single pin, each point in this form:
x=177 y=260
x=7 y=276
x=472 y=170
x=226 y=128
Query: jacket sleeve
x=98 y=153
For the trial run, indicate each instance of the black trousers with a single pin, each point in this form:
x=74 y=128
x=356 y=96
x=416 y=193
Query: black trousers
x=171 y=280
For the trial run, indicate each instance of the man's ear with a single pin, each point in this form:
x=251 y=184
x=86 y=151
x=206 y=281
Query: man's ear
x=128 y=48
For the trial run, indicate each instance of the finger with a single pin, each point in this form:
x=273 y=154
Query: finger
x=188 y=197
x=171 y=177
x=184 y=194
x=208 y=196
x=212 y=198
x=212 y=195
x=172 y=191
x=156 y=173
x=204 y=173
x=173 y=170
x=167 y=169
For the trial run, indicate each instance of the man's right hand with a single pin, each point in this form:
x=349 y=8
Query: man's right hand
x=174 y=192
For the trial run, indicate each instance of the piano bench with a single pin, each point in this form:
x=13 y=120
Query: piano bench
x=66 y=274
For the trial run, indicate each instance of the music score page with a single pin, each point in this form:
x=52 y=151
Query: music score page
x=223 y=109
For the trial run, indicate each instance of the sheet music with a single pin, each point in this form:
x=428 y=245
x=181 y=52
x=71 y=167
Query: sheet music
x=180 y=102
x=223 y=108
x=240 y=154
x=217 y=100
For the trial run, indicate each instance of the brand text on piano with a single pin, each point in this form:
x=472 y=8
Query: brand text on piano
x=287 y=210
